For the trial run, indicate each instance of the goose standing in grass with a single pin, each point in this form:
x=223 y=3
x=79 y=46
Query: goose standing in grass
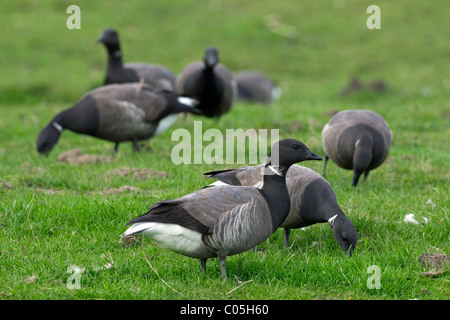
x=223 y=221
x=157 y=76
x=254 y=86
x=118 y=113
x=209 y=82
x=312 y=201
x=357 y=140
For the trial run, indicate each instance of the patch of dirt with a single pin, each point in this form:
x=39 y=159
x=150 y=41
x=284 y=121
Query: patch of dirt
x=6 y=185
x=28 y=167
x=76 y=157
x=356 y=85
x=137 y=173
x=52 y=191
x=295 y=125
x=129 y=241
x=123 y=189
x=435 y=261
x=107 y=190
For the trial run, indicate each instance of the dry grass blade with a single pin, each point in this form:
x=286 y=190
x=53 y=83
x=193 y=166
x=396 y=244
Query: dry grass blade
x=156 y=272
x=238 y=286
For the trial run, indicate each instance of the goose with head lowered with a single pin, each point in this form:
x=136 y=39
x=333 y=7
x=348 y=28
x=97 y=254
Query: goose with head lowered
x=312 y=200
x=157 y=76
x=255 y=86
x=117 y=113
x=357 y=140
x=209 y=82
x=223 y=221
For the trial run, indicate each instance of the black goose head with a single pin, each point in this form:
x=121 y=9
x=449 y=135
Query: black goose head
x=110 y=38
x=48 y=137
x=344 y=232
x=286 y=152
x=211 y=57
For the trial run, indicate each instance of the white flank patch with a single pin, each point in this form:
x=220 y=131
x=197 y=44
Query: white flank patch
x=276 y=93
x=187 y=101
x=219 y=184
x=165 y=123
x=169 y=236
x=259 y=184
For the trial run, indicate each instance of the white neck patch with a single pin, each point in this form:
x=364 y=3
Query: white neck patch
x=331 y=220
x=57 y=126
x=276 y=170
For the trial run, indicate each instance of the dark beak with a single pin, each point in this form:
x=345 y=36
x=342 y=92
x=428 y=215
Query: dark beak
x=313 y=156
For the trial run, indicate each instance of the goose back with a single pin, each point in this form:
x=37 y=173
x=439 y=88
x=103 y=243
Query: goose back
x=157 y=76
x=341 y=133
x=254 y=86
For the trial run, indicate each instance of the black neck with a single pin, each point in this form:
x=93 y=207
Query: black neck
x=276 y=194
x=83 y=117
x=114 y=55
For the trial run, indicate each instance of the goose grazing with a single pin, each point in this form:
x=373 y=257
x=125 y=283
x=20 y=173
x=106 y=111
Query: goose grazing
x=254 y=86
x=155 y=75
x=209 y=82
x=312 y=201
x=358 y=140
x=224 y=221
x=118 y=113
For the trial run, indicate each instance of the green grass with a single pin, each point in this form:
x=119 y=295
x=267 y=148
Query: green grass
x=54 y=215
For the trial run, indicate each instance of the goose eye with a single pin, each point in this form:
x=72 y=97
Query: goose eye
x=295 y=146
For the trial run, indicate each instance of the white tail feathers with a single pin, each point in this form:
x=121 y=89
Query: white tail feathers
x=276 y=93
x=187 y=101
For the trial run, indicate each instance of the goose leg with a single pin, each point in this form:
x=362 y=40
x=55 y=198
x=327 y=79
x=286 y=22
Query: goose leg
x=324 y=166
x=222 y=264
x=356 y=176
x=365 y=175
x=116 y=147
x=136 y=145
x=203 y=264
x=286 y=237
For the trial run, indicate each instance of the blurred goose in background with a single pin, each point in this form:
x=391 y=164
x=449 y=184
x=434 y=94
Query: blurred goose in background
x=357 y=140
x=254 y=86
x=224 y=221
x=209 y=82
x=157 y=76
x=118 y=113
x=312 y=200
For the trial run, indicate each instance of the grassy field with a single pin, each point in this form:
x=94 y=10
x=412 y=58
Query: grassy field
x=54 y=215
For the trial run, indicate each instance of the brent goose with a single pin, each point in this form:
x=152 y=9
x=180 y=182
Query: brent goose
x=157 y=76
x=223 y=221
x=312 y=200
x=118 y=113
x=254 y=86
x=357 y=140
x=210 y=82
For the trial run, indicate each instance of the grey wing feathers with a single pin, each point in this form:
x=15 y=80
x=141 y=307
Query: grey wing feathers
x=245 y=176
x=201 y=210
